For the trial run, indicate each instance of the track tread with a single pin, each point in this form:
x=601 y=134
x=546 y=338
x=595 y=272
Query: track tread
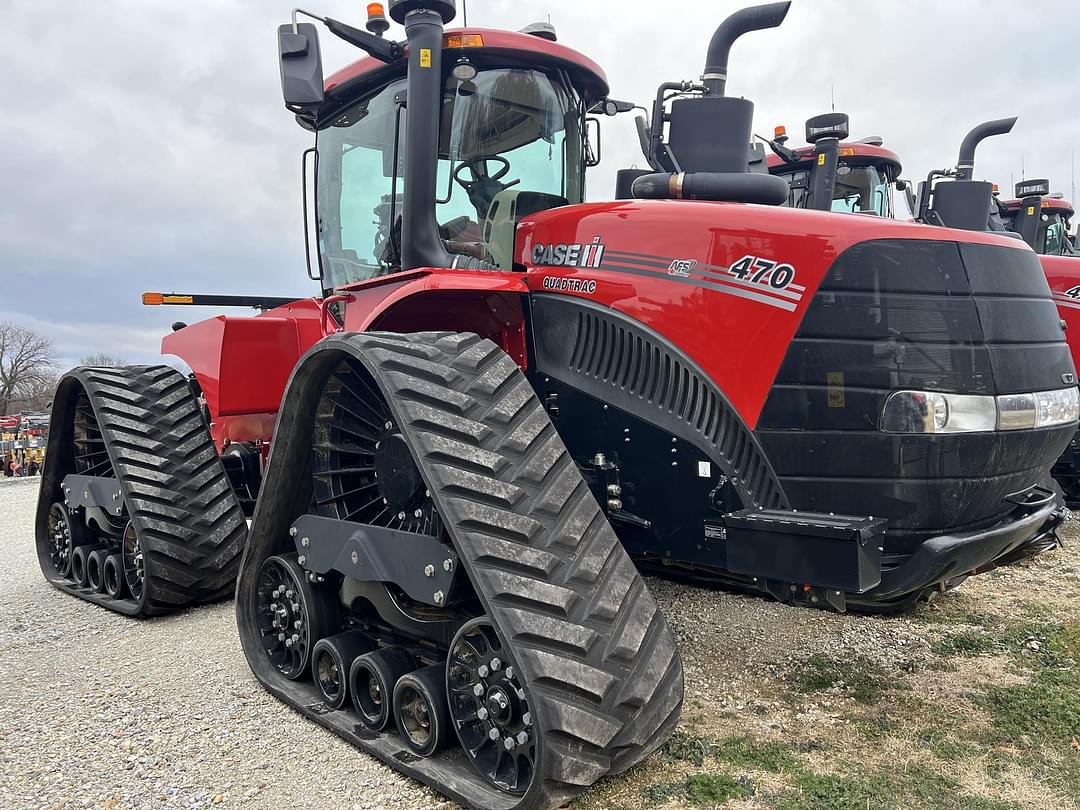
x=176 y=490
x=574 y=613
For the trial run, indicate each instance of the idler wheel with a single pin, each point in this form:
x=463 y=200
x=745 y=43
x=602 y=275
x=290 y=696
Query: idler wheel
x=490 y=708
x=64 y=535
x=290 y=614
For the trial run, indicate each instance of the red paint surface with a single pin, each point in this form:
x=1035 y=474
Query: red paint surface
x=511 y=43
x=1048 y=204
x=1063 y=274
x=739 y=343
x=872 y=154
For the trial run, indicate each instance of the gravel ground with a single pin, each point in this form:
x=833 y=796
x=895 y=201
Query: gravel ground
x=99 y=710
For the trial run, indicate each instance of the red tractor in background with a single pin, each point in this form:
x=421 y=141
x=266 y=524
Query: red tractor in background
x=856 y=177
x=505 y=397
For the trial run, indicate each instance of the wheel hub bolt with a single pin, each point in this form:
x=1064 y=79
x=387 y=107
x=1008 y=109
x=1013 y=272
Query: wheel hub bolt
x=439 y=597
x=289 y=593
x=400 y=515
x=509 y=673
x=448 y=565
x=273 y=606
x=522 y=738
x=478 y=690
x=496 y=664
x=297 y=624
x=429 y=571
x=296 y=637
x=288 y=643
x=292 y=531
x=527 y=718
x=482 y=713
x=280 y=636
x=418 y=513
x=509 y=743
x=493 y=734
x=482 y=671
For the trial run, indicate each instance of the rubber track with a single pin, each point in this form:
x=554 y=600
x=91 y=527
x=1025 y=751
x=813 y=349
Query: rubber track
x=177 y=493
x=599 y=661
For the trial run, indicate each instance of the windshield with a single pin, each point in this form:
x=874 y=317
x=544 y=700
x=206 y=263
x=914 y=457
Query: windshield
x=858 y=189
x=510 y=145
x=1053 y=235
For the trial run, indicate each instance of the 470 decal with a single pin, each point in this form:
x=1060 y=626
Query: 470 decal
x=766 y=272
x=1072 y=292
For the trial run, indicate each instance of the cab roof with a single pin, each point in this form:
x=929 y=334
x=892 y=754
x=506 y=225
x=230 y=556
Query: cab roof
x=869 y=152
x=588 y=76
x=1048 y=204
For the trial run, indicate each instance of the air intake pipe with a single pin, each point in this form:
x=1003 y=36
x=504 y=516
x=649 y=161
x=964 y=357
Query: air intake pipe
x=755 y=18
x=965 y=165
x=421 y=244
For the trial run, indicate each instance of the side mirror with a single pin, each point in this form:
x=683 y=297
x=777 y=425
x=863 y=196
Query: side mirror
x=592 y=142
x=301 y=67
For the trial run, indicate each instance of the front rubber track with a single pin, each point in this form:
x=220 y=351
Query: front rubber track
x=598 y=659
x=175 y=489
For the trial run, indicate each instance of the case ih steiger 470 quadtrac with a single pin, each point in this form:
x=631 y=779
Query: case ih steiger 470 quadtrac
x=505 y=395
x=831 y=174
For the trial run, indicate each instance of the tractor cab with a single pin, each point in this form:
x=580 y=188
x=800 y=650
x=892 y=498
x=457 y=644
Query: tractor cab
x=1042 y=219
x=860 y=179
x=506 y=126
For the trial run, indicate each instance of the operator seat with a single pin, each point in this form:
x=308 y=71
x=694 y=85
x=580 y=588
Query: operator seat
x=508 y=208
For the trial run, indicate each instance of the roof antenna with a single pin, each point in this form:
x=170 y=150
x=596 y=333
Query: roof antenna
x=465 y=12
x=832 y=92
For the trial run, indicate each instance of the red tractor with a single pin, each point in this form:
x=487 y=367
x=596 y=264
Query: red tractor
x=856 y=177
x=505 y=397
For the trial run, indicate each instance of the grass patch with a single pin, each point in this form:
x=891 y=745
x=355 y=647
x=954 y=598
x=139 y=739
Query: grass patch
x=710 y=789
x=913 y=786
x=965 y=643
x=864 y=680
x=699 y=789
x=1045 y=710
x=742 y=752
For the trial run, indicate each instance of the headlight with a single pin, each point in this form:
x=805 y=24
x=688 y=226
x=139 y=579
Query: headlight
x=936 y=412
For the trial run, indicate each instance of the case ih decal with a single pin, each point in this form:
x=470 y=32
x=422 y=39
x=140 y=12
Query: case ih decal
x=563 y=255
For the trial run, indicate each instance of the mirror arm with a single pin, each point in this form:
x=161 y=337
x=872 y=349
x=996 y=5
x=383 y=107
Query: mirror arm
x=382 y=49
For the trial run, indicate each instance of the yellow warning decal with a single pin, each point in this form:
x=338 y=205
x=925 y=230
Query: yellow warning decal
x=425 y=57
x=835 y=386
x=1031 y=211
x=821 y=159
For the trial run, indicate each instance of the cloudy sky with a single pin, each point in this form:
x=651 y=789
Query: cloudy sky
x=144 y=145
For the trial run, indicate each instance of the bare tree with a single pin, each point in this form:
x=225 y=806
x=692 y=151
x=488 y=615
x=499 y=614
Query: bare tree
x=100 y=359
x=26 y=363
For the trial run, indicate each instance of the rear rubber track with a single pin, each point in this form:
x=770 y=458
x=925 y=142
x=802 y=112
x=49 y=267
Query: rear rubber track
x=176 y=492
x=598 y=659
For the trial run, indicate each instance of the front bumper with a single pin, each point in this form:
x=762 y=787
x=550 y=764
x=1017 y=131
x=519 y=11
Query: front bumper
x=941 y=559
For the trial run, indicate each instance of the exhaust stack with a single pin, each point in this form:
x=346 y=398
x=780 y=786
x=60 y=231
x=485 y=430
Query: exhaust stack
x=421 y=245
x=755 y=18
x=965 y=164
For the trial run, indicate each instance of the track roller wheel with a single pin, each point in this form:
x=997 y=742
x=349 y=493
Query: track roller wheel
x=331 y=660
x=490 y=708
x=372 y=678
x=64 y=535
x=292 y=617
x=80 y=564
x=420 y=709
x=113 y=575
x=95 y=573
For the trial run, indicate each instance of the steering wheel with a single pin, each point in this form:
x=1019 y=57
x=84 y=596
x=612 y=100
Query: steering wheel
x=483 y=186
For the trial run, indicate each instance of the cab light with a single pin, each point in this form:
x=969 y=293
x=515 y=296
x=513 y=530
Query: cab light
x=153 y=299
x=780 y=132
x=937 y=412
x=847 y=151
x=463 y=41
